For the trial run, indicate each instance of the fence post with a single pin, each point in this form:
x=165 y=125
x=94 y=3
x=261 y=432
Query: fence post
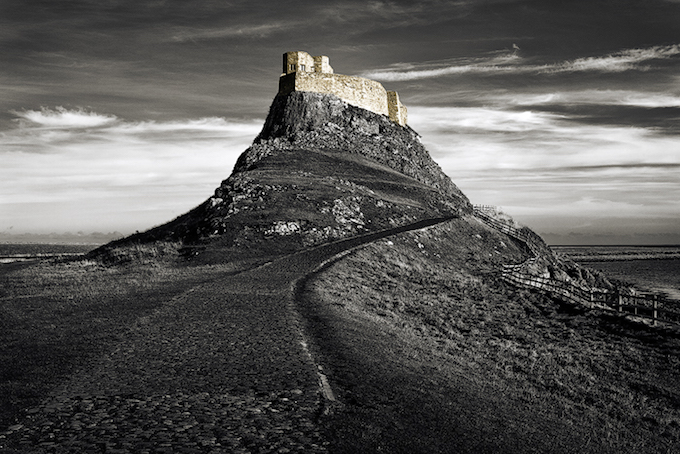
x=655 y=313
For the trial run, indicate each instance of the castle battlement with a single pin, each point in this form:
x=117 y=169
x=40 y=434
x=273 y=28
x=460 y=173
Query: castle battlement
x=302 y=72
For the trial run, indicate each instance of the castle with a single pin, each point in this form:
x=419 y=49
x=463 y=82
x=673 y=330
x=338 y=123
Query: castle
x=302 y=72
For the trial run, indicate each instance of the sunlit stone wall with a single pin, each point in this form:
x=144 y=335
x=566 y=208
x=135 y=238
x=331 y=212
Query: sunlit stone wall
x=397 y=111
x=302 y=72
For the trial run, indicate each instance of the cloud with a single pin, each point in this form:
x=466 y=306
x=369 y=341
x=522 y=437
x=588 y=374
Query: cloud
x=654 y=111
x=210 y=125
x=379 y=14
x=486 y=138
x=512 y=63
x=321 y=18
x=61 y=118
x=541 y=164
x=244 y=31
x=62 y=130
x=632 y=98
x=621 y=61
x=495 y=63
x=89 y=171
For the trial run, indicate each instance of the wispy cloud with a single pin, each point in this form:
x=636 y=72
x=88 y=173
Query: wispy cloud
x=62 y=118
x=625 y=60
x=322 y=18
x=497 y=62
x=512 y=63
x=635 y=98
x=238 y=31
x=38 y=131
x=378 y=13
x=87 y=170
x=490 y=139
x=535 y=163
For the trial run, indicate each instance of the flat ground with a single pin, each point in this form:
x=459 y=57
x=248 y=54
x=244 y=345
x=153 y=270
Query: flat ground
x=208 y=359
x=424 y=349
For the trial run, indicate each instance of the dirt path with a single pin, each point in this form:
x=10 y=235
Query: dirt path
x=222 y=368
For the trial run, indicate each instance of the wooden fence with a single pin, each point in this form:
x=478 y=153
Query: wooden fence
x=646 y=305
x=485 y=213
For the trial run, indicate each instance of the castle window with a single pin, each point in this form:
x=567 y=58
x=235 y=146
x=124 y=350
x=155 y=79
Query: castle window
x=302 y=67
x=292 y=67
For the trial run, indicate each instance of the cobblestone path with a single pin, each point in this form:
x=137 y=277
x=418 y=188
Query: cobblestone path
x=222 y=368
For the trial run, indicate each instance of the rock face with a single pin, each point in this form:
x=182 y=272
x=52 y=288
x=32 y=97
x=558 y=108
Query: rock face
x=320 y=170
x=318 y=121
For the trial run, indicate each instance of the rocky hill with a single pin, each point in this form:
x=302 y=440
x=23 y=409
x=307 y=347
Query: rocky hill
x=320 y=170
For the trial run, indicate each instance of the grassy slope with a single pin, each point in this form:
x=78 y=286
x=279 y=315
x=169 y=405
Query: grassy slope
x=431 y=353
x=303 y=185
x=320 y=178
x=329 y=194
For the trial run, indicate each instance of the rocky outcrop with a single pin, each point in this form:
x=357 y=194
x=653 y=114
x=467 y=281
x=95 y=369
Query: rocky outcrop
x=319 y=121
x=320 y=170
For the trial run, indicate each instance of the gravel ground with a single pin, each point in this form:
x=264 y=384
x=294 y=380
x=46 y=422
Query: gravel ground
x=222 y=368
x=219 y=369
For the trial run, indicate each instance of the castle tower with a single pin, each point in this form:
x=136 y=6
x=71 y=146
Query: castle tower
x=322 y=65
x=299 y=61
x=302 y=72
x=395 y=109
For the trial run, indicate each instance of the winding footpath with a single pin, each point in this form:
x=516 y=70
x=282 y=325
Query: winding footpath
x=222 y=368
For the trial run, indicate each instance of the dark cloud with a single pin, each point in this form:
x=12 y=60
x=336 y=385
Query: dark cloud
x=94 y=44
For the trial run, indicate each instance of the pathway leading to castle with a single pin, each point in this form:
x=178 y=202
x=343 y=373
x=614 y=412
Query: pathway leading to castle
x=221 y=368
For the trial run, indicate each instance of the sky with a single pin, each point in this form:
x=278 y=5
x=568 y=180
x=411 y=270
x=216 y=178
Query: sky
x=121 y=115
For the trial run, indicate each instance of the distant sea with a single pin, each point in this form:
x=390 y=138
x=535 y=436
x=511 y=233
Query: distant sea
x=652 y=268
x=10 y=253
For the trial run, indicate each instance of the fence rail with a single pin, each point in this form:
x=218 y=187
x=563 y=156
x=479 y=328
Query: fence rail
x=647 y=305
x=485 y=213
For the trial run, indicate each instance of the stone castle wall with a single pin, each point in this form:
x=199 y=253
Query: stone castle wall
x=396 y=110
x=302 y=72
x=360 y=92
x=303 y=62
